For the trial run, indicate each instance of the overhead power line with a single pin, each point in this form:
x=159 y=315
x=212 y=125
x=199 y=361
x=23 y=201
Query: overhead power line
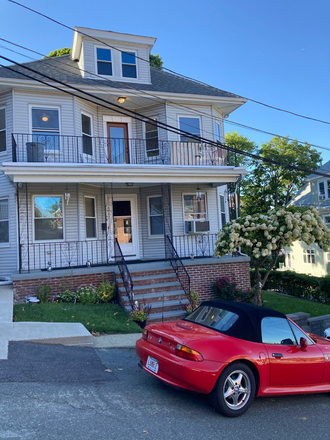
x=143 y=92
x=169 y=70
x=139 y=116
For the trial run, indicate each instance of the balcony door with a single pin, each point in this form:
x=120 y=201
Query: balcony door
x=118 y=148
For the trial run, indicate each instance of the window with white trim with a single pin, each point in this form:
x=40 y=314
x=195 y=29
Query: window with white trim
x=4 y=221
x=90 y=217
x=326 y=219
x=190 y=125
x=46 y=127
x=309 y=256
x=155 y=212
x=3 y=146
x=217 y=131
x=86 y=130
x=48 y=218
x=223 y=211
x=128 y=61
x=194 y=208
x=324 y=189
x=104 y=61
x=151 y=133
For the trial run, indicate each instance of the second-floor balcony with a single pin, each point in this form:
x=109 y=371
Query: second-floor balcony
x=100 y=150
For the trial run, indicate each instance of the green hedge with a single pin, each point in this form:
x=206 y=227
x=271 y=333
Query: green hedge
x=297 y=284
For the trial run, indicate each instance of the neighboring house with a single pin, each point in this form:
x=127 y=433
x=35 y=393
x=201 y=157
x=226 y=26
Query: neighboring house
x=311 y=259
x=87 y=174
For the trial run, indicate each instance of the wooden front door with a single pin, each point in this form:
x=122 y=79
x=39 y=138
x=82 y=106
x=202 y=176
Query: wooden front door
x=118 y=150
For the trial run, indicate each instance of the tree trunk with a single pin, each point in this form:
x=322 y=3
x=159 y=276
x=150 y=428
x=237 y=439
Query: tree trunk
x=257 y=291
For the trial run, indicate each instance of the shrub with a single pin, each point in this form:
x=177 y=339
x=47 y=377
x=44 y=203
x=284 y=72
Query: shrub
x=87 y=295
x=67 y=296
x=43 y=292
x=193 y=302
x=106 y=290
x=226 y=289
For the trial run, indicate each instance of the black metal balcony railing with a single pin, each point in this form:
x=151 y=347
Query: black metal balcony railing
x=100 y=150
x=195 y=245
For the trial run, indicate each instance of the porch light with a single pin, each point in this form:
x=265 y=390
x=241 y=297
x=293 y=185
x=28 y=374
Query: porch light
x=198 y=194
x=88 y=263
x=44 y=117
x=121 y=99
x=129 y=184
x=49 y=266
x=67 y=195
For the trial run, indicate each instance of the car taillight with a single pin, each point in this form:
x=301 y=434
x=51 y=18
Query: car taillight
x=188 y=353
x=145 y=334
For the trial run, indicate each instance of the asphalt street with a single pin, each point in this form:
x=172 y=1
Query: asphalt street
x=57 y=392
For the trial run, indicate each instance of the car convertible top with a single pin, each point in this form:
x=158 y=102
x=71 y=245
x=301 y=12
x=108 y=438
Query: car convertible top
x=248 y=324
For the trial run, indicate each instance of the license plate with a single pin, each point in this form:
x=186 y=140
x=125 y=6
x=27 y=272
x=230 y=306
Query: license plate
x=152 y=364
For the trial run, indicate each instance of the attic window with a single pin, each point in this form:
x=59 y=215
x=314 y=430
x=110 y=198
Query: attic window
x=128 y=64
x=104 y=63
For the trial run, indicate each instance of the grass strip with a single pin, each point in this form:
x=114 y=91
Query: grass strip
x=99 y=318
x=288 y=304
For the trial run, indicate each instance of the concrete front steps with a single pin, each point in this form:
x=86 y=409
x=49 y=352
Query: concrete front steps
x=155 y=284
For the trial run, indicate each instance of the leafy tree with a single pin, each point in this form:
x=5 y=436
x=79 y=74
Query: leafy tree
x=156 y=61
x=271 y=186
x=59 y=52
x=240 y=142
x=263 y=235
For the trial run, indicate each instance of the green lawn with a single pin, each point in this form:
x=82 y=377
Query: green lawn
x=100 y=318
x=287 y=304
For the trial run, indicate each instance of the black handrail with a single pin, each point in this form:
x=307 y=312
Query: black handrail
x=124 y=272
x=178 y=267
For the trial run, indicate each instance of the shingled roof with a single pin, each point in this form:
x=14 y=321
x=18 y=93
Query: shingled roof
x=64 y=69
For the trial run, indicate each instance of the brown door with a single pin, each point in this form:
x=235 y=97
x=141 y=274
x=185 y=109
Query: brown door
x=118 y=151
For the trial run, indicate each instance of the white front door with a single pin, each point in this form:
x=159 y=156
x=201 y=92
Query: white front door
x=125 y=224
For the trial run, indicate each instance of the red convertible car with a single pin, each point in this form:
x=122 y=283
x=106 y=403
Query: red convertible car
x=234 y=352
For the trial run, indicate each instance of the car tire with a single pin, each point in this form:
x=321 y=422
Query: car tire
x=234 y=391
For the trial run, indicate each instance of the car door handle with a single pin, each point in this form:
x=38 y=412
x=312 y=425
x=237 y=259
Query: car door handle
x=277 y=355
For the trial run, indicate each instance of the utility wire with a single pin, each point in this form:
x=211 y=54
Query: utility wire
x=169 y=70
x=143 y=118
x=142 y=92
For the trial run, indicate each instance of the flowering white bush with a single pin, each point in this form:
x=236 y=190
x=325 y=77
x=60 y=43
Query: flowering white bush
x=261 y=236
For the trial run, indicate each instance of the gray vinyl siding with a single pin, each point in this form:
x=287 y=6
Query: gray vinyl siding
x=8 y=253
x=177 y=206
x=152 y=247
x=25 y=99
x=142 y=53
x=203 y=112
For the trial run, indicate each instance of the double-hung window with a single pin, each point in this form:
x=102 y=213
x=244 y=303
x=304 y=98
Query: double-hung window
x=309 y=256
x=217 y=131
x=223 y=211
x=128 y=62
x=46 y=127
x=86 y=129
x=2 y=130
x=48 y=218
x=324 y=189
x=156 y=220
x=4 y=221
x=194 y=207
x=152 y=145
x=189 y=125
x=104 y=61
x=90 y=216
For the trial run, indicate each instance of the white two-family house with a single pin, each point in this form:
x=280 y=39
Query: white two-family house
x=101 y=153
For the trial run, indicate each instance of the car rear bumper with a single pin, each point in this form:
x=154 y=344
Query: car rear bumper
x=191 y=375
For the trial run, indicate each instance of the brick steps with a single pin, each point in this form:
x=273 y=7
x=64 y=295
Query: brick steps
x=157 y=286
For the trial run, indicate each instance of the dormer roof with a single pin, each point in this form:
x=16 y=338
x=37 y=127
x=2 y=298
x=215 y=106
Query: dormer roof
x=107 y=37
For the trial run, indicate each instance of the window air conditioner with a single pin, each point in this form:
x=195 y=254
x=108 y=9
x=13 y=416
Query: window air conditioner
x=193 y=227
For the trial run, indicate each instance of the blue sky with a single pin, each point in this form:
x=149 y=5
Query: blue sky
x=276 y=52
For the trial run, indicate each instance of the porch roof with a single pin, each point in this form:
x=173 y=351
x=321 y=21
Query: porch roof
x=117 y=173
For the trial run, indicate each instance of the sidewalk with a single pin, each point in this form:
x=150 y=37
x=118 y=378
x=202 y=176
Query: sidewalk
x=72 y=334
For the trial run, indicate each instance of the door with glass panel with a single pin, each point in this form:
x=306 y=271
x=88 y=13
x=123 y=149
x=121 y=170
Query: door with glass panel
x=125 y=227
x=118 y=149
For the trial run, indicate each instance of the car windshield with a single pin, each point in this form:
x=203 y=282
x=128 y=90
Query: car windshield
x=213 y=317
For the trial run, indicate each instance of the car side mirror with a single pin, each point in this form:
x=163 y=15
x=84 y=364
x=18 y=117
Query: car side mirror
x=303 y=343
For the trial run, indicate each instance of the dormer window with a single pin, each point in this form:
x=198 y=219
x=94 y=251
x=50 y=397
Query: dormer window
x=128 y=61
x=104 y=63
